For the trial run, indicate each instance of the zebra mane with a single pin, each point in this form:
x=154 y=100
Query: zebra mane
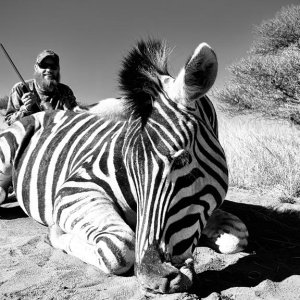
x=139 y=77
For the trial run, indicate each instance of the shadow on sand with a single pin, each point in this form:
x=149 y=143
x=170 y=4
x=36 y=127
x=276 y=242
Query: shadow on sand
x=274 y=247
x=10 y=209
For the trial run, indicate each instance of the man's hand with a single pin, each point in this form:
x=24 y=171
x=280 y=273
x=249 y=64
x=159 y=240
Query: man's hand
x=29 y=99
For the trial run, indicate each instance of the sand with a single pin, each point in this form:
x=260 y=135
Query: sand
x=268 y=269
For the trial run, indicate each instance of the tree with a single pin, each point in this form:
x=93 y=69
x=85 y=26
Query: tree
x=268 y=80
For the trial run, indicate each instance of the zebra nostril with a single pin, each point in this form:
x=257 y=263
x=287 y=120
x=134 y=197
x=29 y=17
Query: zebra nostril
x=172 y=275
x=163 y=286
x=169 y=281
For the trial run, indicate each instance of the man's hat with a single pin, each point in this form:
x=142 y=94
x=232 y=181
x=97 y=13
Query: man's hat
x=47 y=53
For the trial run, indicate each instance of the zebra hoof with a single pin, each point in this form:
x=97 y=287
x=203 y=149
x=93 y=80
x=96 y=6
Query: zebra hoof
x=228 y=243
x=225 y=233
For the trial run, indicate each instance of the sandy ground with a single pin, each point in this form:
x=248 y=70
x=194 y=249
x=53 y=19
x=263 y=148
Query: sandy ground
x=268 y=269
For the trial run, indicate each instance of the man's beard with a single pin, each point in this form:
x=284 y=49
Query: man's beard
x=47 y=85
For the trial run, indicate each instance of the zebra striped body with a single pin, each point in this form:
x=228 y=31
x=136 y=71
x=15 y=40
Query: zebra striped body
x=76 y=148
x=138 y=187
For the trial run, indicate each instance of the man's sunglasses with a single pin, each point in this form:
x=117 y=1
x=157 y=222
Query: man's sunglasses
x=43 y=65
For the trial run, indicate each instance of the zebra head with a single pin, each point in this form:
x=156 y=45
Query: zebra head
x=175 y=164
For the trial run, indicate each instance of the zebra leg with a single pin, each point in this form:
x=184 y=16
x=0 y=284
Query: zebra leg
x=5 y=167
x=5 y=182
x=225 y=233
x=92 y=230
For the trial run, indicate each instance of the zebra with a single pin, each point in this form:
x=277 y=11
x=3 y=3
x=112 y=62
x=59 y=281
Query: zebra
x=134 y=181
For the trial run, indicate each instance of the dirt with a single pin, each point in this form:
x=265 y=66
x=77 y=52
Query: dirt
x=268 y=269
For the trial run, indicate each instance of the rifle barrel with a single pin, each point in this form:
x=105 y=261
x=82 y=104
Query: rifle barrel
x=15 y=68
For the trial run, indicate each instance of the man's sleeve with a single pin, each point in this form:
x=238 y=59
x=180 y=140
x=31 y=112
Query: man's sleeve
x=69 y=99
x=15 y=108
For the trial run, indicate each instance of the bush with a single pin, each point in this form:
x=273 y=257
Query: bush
x=278 y=33
x=268 y=80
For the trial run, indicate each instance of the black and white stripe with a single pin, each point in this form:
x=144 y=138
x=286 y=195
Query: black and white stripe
x=119 y=187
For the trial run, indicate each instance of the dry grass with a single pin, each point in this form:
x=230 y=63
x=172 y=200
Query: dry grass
x=262 y=154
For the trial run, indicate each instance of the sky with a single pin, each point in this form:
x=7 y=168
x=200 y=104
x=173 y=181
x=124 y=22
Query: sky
x=91 y=37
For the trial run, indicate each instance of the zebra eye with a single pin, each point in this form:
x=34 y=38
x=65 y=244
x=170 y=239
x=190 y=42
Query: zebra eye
x=180 y=159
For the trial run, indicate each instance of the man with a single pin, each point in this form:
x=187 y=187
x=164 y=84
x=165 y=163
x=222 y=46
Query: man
x=45 y=90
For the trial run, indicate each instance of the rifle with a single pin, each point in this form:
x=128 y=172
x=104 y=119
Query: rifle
x=18 y=73
x=15 y=68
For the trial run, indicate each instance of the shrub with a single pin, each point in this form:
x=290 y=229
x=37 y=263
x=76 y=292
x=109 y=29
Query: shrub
x=268 y=80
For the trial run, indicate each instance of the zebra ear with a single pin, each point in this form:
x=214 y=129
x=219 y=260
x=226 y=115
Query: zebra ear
x=198 y=75
x=200 y=72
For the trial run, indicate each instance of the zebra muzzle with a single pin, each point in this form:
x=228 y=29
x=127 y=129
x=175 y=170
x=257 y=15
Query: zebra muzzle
x=156 y=276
